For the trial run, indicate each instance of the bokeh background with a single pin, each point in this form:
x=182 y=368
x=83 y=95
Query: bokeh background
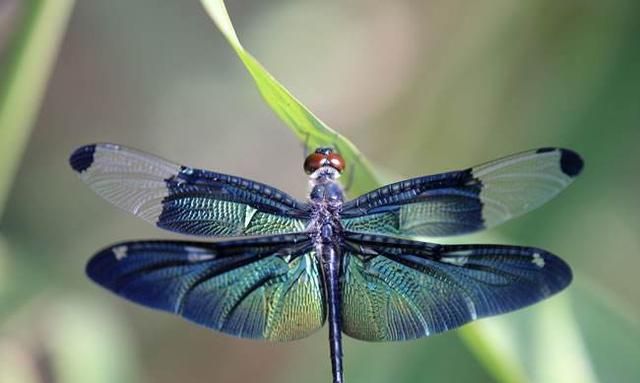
x=419 y=86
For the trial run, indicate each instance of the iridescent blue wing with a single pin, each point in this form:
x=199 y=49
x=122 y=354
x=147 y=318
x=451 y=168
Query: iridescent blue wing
x=262 y=288
x=395 y=289
x=183 y=199
x=464 y=201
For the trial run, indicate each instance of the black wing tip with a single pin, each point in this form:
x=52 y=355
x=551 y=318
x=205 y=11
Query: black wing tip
x=546 y=150
x=561 y=272
x=82 y=158
x=92 y=267
x=100 y=267
x=555 y=273
x=96 y=265
x=571 y=163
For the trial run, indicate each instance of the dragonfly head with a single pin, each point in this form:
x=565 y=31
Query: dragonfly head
x=324 y=158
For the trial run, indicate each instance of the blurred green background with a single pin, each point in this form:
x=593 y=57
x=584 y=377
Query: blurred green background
x=419 y=86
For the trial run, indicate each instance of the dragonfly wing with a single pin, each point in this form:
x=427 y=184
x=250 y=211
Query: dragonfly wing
x=262 y=288
x=395 y=289
x=183 y=199
x=464 y=201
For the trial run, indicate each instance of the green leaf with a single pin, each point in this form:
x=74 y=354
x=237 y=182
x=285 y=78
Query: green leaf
x=358 y=176
x=23 y=77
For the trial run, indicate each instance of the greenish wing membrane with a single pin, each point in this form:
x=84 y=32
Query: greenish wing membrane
x=186 y=200
x=464 y=201
x=395 y=289
x=266 y=288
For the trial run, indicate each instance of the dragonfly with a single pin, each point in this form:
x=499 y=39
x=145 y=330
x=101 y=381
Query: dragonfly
x=288 y=266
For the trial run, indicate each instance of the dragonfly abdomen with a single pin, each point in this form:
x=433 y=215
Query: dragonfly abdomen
x=331 y=258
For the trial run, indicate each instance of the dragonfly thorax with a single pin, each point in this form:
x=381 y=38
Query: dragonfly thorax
x=326 y=198
x=328 y=192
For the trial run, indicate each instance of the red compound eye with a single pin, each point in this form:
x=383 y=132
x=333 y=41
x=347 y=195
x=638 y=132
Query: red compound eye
x=336 y=161
x=314 y=162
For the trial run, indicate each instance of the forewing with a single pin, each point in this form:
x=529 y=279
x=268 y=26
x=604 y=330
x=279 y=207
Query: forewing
x=183 y=199
x=261 y=288
x=464 y=201
x=396 y=289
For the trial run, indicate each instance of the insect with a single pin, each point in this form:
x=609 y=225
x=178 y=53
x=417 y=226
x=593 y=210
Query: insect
x=295 y=265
